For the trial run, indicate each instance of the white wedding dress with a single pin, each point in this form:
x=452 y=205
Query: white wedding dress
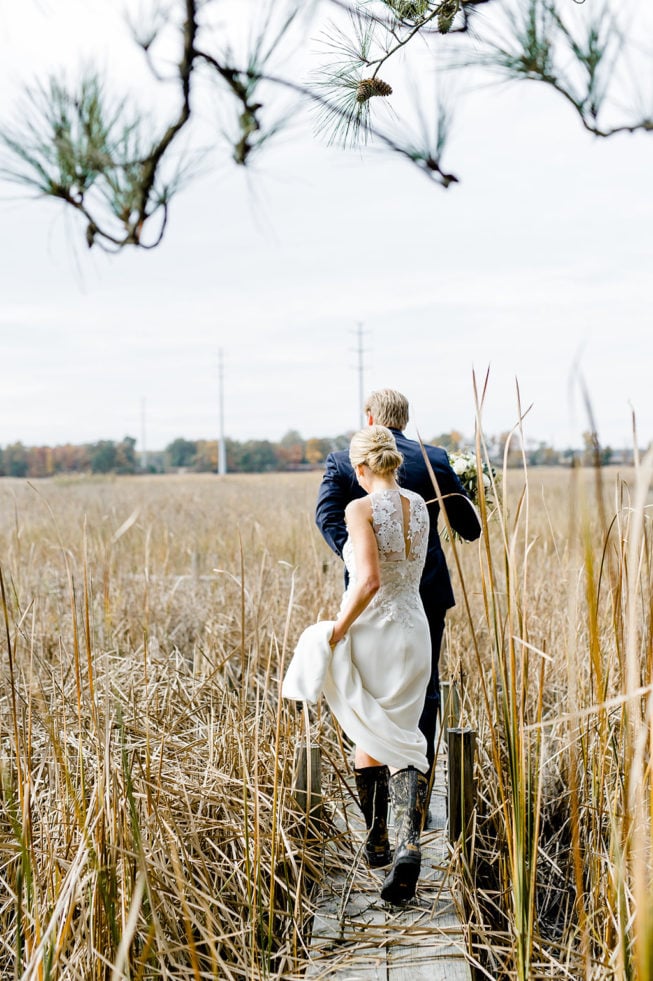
x=376 y=681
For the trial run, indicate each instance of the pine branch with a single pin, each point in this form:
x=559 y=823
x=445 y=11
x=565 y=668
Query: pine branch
x=541 y=47
x=427 y=161
x=73 y=146
x=78 y=147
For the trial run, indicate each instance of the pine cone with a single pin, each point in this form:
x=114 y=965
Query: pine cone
x=367 y=87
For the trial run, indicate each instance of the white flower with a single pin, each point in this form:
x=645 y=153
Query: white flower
x=459 y=465
x=486 y=481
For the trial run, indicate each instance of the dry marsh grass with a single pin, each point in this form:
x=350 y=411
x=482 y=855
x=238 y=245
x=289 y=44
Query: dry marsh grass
x=147 y=828
x=556 y=657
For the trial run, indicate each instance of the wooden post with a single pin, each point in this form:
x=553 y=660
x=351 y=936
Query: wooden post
x=460 y=791
x=450 y=703
x=308 y=782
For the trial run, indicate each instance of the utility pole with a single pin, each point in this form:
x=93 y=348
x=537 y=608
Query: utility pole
x=222 y=450
x=361 y=389
x=143 y=443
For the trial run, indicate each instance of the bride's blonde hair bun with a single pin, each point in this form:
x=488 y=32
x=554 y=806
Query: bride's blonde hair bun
x=376 y=447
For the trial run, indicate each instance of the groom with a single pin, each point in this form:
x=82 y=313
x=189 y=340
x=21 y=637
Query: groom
x=339 y=486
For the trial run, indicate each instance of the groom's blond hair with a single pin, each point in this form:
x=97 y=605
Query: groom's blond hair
x=388 y=408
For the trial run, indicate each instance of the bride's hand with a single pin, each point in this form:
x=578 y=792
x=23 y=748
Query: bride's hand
x=334 y=639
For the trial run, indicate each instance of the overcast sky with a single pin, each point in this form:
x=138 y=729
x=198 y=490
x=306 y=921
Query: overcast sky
x=537 y=265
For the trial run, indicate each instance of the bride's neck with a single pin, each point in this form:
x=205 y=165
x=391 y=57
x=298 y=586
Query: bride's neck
x=378 y=482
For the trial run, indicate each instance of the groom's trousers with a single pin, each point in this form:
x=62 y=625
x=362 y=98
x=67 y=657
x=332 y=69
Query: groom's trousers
x=427 y=723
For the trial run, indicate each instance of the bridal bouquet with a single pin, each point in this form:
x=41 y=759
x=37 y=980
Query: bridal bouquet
x=463 y=464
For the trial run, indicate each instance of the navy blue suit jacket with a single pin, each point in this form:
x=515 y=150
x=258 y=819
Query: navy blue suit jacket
x=339 y=486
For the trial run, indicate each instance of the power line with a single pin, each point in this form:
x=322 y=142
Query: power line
x=222 y=450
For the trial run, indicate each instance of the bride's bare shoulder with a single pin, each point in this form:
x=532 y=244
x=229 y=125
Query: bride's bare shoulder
x=359 y=508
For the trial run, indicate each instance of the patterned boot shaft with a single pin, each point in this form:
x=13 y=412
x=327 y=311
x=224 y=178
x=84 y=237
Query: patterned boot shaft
x=408 y=797
x=372 y=787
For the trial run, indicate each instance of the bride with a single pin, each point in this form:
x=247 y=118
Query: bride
x=377 y=693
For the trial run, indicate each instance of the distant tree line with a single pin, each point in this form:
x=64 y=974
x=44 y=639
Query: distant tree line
x=292 y=452
x=106 y=456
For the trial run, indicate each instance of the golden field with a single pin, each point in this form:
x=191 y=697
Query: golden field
x=147 y=827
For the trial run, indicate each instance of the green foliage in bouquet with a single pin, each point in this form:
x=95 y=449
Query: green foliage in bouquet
x=465 y=465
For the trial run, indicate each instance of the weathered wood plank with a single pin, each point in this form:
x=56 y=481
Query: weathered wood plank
x=361 y=917
x=427 y=963
x=350 y=965
x=357 y=937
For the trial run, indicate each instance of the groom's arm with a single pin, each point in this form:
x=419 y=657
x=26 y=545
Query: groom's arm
x=460 y=510
x=332 y=499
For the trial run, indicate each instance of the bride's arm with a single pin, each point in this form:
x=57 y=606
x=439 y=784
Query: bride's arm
x=366 y=555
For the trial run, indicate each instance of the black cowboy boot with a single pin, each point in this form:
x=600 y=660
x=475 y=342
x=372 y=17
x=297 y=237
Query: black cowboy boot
x=407 y=795
x=372 y=787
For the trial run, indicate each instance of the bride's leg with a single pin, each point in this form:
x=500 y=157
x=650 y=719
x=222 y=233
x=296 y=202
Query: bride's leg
x=361 y=759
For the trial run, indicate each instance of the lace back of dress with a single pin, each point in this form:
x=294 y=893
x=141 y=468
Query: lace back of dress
x=387 y=514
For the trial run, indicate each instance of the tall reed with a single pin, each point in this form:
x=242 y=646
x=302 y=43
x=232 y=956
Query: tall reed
x=553 y=641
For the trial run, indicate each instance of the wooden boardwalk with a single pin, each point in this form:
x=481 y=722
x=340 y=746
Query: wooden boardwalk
x=357 y=937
